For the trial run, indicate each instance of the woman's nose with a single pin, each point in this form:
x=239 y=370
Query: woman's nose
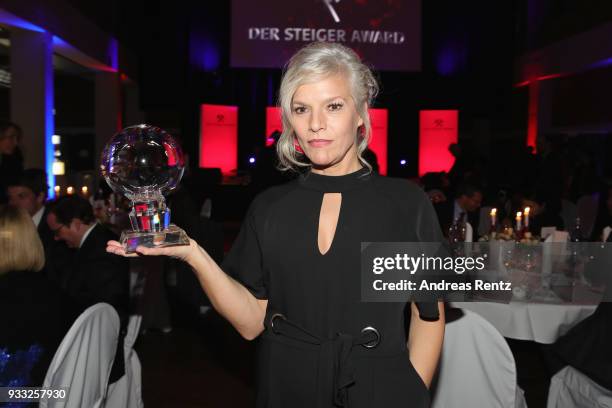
x=317 y=121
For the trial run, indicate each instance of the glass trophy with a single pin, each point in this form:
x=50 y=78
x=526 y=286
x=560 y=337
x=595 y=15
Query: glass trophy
x=144 y=162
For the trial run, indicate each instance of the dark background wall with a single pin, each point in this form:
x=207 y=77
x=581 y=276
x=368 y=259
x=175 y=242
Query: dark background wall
x=469 y=51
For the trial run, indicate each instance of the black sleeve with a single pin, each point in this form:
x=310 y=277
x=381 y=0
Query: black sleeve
x=428 y=230
x=244 y=262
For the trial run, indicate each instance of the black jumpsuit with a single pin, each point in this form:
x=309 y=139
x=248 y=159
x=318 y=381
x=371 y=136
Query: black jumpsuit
x=321 y=363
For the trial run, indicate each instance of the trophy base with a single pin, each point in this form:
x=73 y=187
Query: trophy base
x=172 y=236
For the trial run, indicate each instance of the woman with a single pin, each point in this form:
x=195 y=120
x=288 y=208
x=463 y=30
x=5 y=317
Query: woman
x=294 y=266
x=34 y=318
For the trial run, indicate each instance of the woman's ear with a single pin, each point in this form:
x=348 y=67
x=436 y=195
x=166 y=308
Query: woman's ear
x=365 y=112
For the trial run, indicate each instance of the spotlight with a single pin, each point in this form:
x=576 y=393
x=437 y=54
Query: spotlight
x=403 y=162
x=252 y=159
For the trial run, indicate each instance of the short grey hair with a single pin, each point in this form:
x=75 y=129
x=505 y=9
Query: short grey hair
x=314 y=62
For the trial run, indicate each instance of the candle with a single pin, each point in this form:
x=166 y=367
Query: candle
x=84 y=190
x=70 y=190
x=493 y=216
x=57 y=190
x=526 y=212
x=518 y=221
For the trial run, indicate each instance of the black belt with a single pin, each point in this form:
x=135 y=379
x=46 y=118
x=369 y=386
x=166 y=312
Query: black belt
x=336 y=372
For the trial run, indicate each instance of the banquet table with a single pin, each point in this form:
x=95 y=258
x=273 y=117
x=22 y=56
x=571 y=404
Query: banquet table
x=539 y=322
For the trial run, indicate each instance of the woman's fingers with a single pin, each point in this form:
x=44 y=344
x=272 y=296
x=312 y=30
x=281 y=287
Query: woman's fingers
x=116 y=243
x=116 y=248
x=119 y=251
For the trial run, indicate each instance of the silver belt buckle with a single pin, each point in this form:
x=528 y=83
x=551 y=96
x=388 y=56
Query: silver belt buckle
x=374 y=342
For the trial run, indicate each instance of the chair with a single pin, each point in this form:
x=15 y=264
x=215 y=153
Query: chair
x=570 y=388
x=606 y=233
x=127 y=391
x=477 y=368
x=82 y=363
x=469 y=232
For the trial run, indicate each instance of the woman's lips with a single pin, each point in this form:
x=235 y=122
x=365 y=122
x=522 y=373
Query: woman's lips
x=319 y=142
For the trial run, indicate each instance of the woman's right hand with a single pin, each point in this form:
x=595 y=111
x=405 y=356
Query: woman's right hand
x=182 y=252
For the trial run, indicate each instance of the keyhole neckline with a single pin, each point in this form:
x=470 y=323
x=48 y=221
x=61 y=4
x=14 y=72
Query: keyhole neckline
x=336 y=216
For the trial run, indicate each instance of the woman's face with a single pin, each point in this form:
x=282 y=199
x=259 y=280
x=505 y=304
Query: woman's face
x=8 y=141
x=325 y=121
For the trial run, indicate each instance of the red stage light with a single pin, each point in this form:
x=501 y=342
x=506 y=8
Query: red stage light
x=437 y=130
x=273 y=122
x=219 y=137
x=378 y=141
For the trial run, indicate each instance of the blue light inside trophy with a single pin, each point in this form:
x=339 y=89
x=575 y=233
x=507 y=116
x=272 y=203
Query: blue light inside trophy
x=144 y=162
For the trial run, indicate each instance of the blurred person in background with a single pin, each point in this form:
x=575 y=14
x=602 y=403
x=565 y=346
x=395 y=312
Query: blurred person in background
x=29 y=192
x=464 y=207
x=95 y=276
x=604 y=214
x=11 y=159
x=544 y=211
x=34 y=318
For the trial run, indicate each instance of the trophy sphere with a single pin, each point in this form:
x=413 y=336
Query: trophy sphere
x=142 y=161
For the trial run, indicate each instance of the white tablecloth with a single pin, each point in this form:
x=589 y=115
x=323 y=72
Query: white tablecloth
x=540 y=322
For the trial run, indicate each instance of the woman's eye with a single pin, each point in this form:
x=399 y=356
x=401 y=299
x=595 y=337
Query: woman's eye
x=299 y=109
x=334 y=106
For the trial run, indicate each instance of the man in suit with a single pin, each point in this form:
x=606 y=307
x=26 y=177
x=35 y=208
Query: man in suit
x=464 y=207
x=96 y=275
x=29 y=192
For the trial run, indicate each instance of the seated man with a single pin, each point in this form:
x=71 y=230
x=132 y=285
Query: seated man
x=465 y=207
x=96 y=275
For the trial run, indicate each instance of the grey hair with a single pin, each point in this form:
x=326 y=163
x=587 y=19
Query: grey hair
x=317 y=61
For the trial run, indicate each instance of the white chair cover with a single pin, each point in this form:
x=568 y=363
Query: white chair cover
x=477 y=368
x=546 y=232
x=606 y=233
x=82 y=363
x=570 y=388
x=127 y=391
x=469 y=232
